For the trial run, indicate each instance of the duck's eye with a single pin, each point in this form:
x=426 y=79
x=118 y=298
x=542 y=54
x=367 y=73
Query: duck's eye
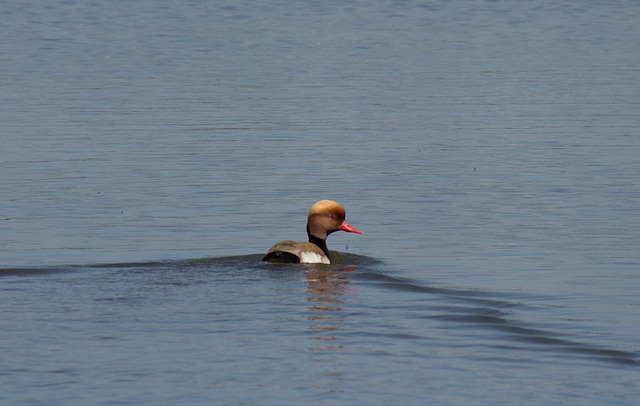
x=333 y=216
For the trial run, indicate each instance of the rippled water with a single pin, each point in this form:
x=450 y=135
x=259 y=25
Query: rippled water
x=488 y=150
x=233 y=330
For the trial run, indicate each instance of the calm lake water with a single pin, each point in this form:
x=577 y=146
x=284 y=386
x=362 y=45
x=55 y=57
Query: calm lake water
x=152 y=151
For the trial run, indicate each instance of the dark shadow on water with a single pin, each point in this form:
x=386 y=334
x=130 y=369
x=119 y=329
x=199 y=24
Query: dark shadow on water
x=490 y=310
x=237 y=261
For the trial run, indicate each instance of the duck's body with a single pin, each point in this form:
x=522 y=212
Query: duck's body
x=324 y=218
x=289 y=251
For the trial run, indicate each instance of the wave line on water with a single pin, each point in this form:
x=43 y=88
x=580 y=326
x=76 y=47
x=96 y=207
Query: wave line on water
x=488 y=311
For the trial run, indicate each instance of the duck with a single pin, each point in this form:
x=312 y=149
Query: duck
x=324 y=218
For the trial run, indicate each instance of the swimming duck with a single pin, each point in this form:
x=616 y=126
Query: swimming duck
x=324 y=218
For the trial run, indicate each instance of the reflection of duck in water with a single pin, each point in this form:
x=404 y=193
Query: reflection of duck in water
x=327 y=287
x=324 y=218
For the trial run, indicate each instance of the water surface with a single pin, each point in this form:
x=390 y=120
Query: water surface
x=488 y=150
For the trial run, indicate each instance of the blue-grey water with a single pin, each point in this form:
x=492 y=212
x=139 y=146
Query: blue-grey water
x=151 y=151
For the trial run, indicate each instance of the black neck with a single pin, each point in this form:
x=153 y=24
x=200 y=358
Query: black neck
x=321 y=243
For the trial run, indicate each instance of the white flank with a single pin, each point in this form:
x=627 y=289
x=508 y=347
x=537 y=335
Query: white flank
x=313 y=258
